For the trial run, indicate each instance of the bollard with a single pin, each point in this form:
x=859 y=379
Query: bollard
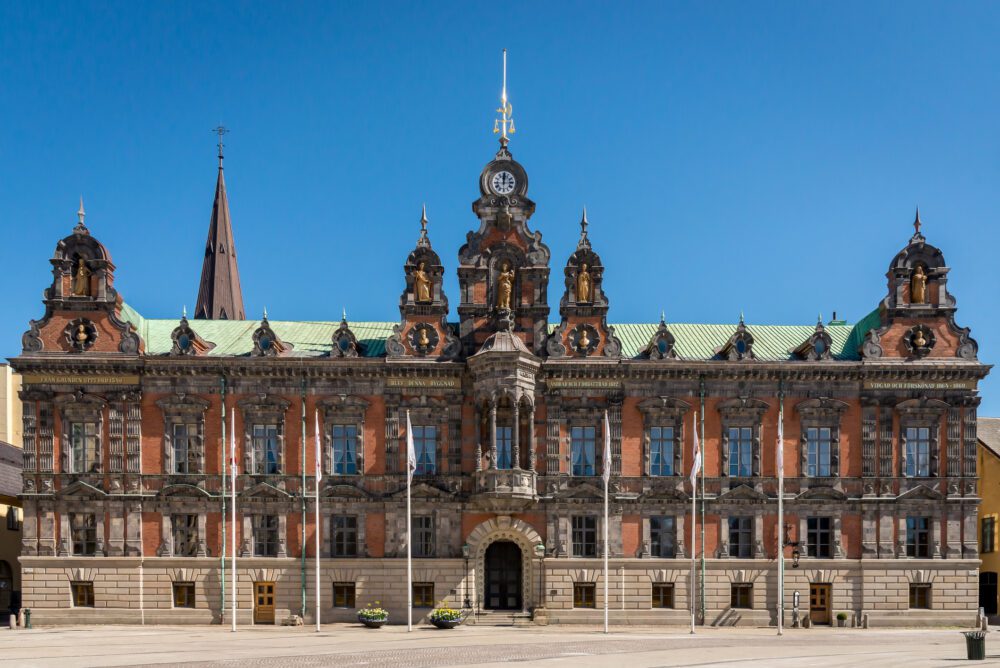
x=12 y=621
x=27 y=618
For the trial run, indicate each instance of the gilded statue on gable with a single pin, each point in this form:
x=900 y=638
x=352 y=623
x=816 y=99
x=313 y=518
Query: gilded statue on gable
x=421 y=284
x=918 y=286
x=505 y=286
x=584 y=285
x=81 y=280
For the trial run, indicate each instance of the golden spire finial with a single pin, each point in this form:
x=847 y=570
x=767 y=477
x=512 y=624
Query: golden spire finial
x=504 y=125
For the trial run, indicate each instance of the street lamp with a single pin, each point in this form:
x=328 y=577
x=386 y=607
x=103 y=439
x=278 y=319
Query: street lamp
x=465 y=554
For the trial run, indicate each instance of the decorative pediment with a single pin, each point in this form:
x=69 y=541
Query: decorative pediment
x=739 y=347
x=922 y=407
x=82 y=490
x=661 y=345
x=817 y=346
x=743 y=407
x=664 y=406
x=186 y=341
x=822 y=407
x=183 y=403
x=80 y=401
x=743 y=493
x=345 y=344
x=582 y=490
x=265 y=342
x=265 y=491
x=264 y=403
x=342 y=490
x=921 y=493
x=423 y=490
x=664 y=494
x=183 y=491
x=823 y=493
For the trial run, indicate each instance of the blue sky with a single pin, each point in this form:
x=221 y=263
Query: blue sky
x=763 y=157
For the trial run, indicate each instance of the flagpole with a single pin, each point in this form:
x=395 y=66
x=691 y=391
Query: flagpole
x=319 y=474
x=232 y=508
x=409 y=536
x=781 y=509
x=694 y=518
x=606 y=474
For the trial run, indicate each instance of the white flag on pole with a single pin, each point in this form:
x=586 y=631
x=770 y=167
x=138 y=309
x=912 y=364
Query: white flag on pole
x=319 y=453
x=781 y=448
x=606 y=473
x=411 y=455
x=696 y=464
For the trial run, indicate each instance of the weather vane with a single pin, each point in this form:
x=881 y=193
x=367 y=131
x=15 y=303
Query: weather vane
x=221 y=130
x=505 y=124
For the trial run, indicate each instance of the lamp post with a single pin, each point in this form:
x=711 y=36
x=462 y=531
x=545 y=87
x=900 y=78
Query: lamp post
x=465 y=554
x=794 y=544
x=540 y=553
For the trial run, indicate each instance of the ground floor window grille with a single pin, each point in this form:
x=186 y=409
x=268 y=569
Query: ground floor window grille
x=584 y=595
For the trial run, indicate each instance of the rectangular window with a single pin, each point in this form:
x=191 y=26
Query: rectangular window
x=265 y=535
x=344 y=529
x=83 y=594
x=423 y=535
x=345 y=449
x=741 y=595
x=84 y=448
x=661 y=451
x=987 y=541
x=740 y=452
x=185 y=439
x=918 y=535
x=583 y=442
x=83 y=530
x=504 y=435
x=183 y=594
x=819 y=444
x=343 y=595
x=920 y=596
x=741 y=537
x=584 y=536
x=663 y=595
x=584 y=595
x=918 y=452
x=266 y=449
x=662 y=537
x=185 y=530
x=819 y=537
x=423 y=595
x=13 y=518
x=425 y=449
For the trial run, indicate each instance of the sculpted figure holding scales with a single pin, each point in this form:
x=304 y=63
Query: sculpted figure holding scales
x=505 y=286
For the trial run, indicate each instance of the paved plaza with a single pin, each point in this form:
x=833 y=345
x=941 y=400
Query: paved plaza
x=345 y=646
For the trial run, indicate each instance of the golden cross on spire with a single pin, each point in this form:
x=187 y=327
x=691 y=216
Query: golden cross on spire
x=504 y=125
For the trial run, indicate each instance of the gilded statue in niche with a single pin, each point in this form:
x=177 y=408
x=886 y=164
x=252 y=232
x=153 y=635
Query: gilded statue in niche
x=505 y=286
x=584 y=285
x=81 y=280
x=422 y=340
x=421 y=284
x=918 y=286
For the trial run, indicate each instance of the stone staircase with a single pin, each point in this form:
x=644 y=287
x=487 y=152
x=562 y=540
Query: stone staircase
x=500 y=618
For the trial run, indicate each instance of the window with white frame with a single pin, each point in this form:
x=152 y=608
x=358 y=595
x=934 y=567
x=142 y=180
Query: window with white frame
x=344 y=438
x=583 y=445
x=266 y=449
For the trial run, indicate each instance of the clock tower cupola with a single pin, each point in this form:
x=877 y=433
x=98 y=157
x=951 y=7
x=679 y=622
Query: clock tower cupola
x=503 y=271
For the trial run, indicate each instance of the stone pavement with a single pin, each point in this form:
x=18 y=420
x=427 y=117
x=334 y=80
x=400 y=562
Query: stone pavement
x=346 y=645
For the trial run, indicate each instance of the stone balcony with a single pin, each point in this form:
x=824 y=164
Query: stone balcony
x=507 y=485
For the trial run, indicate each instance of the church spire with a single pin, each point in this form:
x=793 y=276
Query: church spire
x=219 y=295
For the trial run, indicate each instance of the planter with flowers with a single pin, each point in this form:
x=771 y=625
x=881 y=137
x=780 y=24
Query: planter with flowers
x=373 y=616
x=444 y=617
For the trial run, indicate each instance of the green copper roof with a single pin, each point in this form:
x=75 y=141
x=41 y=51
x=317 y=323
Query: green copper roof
x=314 y=339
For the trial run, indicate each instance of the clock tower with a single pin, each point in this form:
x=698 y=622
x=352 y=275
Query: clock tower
x=503 y=271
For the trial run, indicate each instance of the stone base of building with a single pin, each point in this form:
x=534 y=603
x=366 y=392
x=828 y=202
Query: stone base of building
x=737 y=592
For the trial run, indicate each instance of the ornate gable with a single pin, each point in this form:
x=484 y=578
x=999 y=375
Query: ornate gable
x=921 y=493
x=345 y=344
x=584 y=330
x=265 y=342
x=739 y=347
x=821 y=493
x=263 y=491
x=185 y=341
x=743 y=493
x=661 y=345
x=423 y=330
x=817 y=346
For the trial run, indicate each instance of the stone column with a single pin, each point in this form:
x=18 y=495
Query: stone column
x=869 y=534
x=493 y=434
x=679 y=524
x=29 y=528
x=479 y=438
x=886 y=548
x=531 y=437
x=935 y=546
x=515 y=442
x=953 y=531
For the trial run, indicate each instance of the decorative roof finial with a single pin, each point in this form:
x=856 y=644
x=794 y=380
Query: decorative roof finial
x=584 y=240
x=505 y=124
x=221 y=130
x=917 y=236
x=184 y=312
x=80 y=215
x=819 y=318
x=424 y=241
x=663 y=317
x=265 y=313
x=741 y=316
x=344 y=316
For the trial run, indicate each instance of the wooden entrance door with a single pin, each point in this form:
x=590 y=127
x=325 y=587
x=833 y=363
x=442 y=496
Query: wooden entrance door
x=263 y=609
x=503 y=576
x=819 y=603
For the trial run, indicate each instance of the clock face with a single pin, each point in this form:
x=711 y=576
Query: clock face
x=503 y=183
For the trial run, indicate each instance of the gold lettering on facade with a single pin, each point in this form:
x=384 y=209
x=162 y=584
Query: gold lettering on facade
x=919 y=385
x=423 y=382
x=78 y=379
x=583 y=384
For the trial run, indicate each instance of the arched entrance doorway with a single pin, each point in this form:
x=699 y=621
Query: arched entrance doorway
x=503 y=576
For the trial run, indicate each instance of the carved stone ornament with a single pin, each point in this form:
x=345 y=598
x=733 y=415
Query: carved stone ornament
x=31 y=341
x=919 y=340
x=80 y=334
x=423 y=338
x=345 y=344
x=817 y=346
x=740 y=345
x=184 y=339
x=554 y=344
x=583 y=339
x=265 y=342
x=661 y=346
x=871 y=347
x=394 y=344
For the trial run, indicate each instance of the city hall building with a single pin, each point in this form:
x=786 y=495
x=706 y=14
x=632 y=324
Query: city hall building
x=128 y=419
